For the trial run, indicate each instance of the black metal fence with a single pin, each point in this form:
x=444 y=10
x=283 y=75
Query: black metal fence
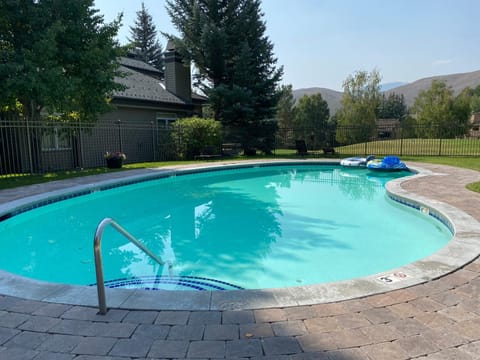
x=401 y=140
x=27 y=148
x=42 y=147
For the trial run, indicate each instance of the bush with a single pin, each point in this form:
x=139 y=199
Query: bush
x=196 y=136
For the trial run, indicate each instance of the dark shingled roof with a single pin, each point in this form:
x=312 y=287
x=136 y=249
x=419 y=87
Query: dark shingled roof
x=138 y=64
x=144 y=87
x=141 y=86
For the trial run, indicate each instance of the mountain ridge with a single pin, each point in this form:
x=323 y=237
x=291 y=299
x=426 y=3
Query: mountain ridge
x=410 y=91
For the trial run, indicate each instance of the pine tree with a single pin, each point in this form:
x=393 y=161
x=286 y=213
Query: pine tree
x=392 y=107
x=286 y=114
x=226 y=41
x=145 y=41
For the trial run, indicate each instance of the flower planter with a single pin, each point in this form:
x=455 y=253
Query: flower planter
x=114 y=163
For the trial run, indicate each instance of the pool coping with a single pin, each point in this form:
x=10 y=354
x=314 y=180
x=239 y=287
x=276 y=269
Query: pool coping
x=461 y=250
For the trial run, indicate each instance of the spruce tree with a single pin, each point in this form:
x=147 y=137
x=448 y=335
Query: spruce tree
x=226 y=41
x=391 y=107
x=145 y=40
x=285 y=114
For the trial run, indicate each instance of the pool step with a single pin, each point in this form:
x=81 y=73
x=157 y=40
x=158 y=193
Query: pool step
x=171 y=283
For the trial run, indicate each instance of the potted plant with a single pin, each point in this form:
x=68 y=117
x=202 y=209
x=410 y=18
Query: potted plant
x=115 y=159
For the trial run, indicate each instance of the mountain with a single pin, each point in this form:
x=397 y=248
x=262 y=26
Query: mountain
x=392 y=85
x=410 y=91
x=457 y=82
x=332 y=97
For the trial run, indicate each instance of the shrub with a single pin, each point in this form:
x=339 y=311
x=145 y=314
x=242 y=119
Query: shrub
x=194 y=136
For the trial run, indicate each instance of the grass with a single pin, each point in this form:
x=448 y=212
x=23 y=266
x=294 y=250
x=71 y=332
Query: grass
x=474 y=187
x=412 y=147
x=472 y=163
x=16 y=180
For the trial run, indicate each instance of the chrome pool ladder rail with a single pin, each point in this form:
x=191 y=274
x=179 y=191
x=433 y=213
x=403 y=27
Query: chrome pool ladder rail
x=97 y=242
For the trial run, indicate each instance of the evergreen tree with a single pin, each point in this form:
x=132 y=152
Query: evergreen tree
x=145 y=41
x=357 y=116
x=286 y=114
x=226 y=41
x=286 y=107
x=392 y=107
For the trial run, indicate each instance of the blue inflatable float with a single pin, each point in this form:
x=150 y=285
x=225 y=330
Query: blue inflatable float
x=388 y=163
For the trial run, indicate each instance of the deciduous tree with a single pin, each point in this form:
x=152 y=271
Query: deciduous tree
x=57 y=56
x=311 y=120
x=357 y=115
x=439 y=114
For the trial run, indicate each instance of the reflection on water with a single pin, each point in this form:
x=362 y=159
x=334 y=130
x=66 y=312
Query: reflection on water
x=264 y=227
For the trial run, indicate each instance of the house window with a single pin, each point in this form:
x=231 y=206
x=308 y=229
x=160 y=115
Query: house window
x=55 y=138
x=164 y=120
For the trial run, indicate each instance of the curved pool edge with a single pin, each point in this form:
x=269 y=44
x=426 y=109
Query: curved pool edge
x=461 y=250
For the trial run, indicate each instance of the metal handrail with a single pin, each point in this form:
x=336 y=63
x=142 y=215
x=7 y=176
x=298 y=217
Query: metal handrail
x=97 y=242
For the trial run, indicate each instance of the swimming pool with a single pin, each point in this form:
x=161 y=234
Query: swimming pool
x=255 y=227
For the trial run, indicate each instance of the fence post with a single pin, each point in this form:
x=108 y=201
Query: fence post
x=29 y=140
x=80 y=142
x=120 y=134
x=153 y=141
x=401 y=141
x=440 y=147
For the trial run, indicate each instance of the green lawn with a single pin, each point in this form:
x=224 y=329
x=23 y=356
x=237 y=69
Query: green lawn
x=474 y=187
x=413 y=147
x=12 y=181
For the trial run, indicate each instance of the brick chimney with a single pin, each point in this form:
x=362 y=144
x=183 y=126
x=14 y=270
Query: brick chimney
x=177 y=74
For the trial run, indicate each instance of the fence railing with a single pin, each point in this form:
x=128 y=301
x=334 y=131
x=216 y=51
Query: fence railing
x=42 y=147
x=382 y=140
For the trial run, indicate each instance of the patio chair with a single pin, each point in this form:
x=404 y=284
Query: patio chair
x=301 y=147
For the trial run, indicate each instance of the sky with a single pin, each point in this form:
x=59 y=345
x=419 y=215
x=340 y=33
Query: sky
x=320 y=43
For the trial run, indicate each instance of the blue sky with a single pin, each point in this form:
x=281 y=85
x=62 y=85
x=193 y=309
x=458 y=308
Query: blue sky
x=321 y=42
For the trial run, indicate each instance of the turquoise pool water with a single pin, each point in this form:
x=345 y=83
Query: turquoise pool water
x=261 y=227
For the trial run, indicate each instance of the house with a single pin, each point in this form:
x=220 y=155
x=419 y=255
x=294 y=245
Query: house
x=138 y=125
x=475 y=125
x=388 y=128
x=144 y=110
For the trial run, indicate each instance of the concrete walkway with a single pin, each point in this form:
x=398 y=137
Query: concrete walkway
x=436 y=320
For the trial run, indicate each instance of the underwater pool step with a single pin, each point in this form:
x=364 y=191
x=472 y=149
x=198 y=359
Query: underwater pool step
x=171 y=283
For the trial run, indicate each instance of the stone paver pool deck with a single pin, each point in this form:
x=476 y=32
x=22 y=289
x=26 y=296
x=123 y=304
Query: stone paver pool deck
x=436 y=320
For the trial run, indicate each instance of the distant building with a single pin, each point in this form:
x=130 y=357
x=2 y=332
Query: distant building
x=475 y=124
x=388 y=128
